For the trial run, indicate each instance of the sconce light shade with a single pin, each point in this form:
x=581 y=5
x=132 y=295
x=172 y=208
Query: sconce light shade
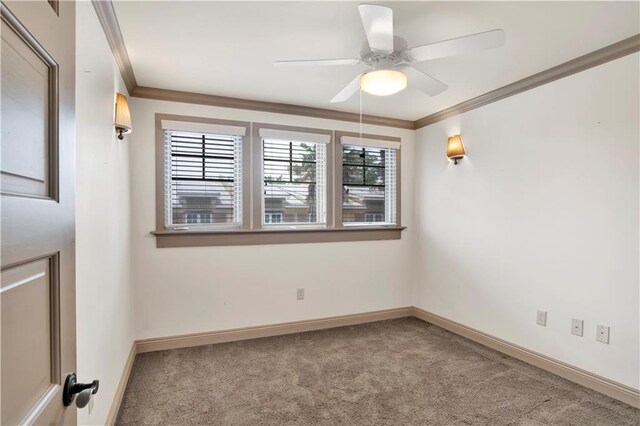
x=455 y=149
x=123 y=118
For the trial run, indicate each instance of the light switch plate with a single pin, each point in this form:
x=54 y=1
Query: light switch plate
x=576 y=327
x=541 y=318
x=300 y=294
x=602 y=334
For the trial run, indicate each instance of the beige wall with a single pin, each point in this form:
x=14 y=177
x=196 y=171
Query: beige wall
x=543 y=214
x=187 y=290
x=103 y=254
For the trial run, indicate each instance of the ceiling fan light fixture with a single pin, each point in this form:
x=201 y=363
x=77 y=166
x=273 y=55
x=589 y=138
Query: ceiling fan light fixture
x=383 y=82
x=390 y=58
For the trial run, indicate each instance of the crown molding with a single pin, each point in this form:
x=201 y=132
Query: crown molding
x=278 y=108
x=109 y=21
x=582 y=63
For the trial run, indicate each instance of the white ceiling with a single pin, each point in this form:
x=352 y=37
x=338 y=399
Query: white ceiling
x=227 y=48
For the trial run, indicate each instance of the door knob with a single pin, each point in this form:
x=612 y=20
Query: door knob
x=85 y=390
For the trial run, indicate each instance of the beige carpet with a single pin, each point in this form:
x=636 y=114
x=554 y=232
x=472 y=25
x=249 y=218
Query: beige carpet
x=400 y=372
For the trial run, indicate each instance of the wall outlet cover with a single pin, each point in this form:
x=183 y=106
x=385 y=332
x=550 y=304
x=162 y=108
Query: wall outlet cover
x=576 y=327
x=541 y=318
x=602 y=334
x=300 y=294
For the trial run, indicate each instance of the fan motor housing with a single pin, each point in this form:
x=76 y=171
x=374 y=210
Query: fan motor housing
x=379 y=60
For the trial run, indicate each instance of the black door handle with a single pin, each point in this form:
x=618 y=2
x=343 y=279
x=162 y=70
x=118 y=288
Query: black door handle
x=72 y=387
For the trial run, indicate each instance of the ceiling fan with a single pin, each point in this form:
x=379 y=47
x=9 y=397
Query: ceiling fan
x=390 y=59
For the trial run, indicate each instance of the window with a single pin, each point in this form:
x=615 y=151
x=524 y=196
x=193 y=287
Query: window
x=369 y=172
x=374 y=217
x=219 y=185
x=294 y=177
x=199 y=217
x=203 y=175
x=270 y=217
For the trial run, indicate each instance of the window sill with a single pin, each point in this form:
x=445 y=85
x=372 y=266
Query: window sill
x=275 y=236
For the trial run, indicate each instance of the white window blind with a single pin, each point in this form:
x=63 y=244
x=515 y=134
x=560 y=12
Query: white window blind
x=203 y=179
x=371 y=143
x=290 y=135
x=294 y=177
x=211 y=128
x=369 y=180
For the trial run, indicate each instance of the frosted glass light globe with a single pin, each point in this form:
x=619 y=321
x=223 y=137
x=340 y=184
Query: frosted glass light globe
x=383 y=82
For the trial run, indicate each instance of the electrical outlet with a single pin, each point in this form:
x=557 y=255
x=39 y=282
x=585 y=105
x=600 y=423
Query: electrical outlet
x=602 y=334
x=576 y=327
x=300 y=294
x=541 y=318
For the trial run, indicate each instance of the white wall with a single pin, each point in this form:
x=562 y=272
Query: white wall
x=187 y=290
x=103 y=255
x=542 y=214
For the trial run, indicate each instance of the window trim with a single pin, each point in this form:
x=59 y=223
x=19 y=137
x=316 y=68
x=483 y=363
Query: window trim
x=165 y=239
x=251 y=231
x=160 y=172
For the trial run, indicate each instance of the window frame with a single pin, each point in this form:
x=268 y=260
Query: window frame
x=160 y=172
x=252 y=231
x=339 y=186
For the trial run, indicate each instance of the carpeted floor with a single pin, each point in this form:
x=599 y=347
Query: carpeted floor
x=400 y=372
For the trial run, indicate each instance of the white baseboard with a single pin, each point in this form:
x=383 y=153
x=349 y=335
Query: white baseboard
x=122 y=385
x=600 y=384
x=232 y=335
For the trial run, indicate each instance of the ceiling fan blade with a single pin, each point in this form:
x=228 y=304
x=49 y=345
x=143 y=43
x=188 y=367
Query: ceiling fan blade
x=349 y=90
x=422 y=81
x=457 y=46
x=316 y=62
x=378 y=25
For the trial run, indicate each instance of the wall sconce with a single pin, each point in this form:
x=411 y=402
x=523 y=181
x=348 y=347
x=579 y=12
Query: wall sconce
x=123 y=119
x=455 y=149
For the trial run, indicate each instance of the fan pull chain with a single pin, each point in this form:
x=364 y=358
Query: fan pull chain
x=360 y=115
